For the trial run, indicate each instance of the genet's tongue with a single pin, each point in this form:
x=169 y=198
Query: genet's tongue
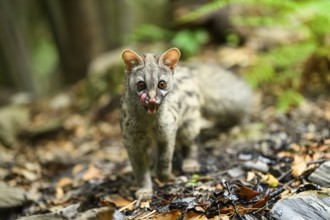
x=151 y=107
x=151 y=110
x=143 y=97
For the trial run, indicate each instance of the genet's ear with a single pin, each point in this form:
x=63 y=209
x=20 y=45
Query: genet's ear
x=170 y=58
x=131 y=59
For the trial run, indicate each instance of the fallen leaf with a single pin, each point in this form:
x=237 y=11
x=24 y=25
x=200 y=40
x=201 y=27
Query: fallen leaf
x=29 y=175
x=270 y=180
x=298 y=169
x=93 y=173
x=65 y=181
x=261 y=203
x=77 y=169
x=59 y=193
x=174 y=215
x=246 y=193
x=250 y=176
x=199 y=209
x=299 y=166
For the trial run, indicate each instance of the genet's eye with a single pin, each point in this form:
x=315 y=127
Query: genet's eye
x=162 y=85
x=141 y=85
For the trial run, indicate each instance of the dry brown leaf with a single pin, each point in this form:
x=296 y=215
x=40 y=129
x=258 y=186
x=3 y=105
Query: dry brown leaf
x=298 y=168
x=219 y=187
x=324 y=147
x=199 y=209
x=29 y=175
x=299 y=165
x=261 y=203
x=223 y=217
x=227 y=210
x=77 y=169
x=106 y=213
x=283 y=154
x=169 y=216
x=247 y=194
x=327 y=156
x=250 y=176
x=295 y=147
x=93 y=173
x=316 y=156
x=327 y=141
x=194 y=216
x=59 y=193
x=65 y=181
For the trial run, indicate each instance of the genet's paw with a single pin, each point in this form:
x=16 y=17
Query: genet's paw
x=143 y=194
x=165 y=177
x=190 y=166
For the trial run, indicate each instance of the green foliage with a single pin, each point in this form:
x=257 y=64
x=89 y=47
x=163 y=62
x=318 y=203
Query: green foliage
x=203 y=10
x=189 y=41
x=280 y=69
x=289 y=98
x=281 y=66
x=194 y=180
x=233 y=40
x=149 y=33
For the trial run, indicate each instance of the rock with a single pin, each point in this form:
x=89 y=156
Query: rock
x=12 y=119
x=321 y=175
x=52 y=126
x=236 y=172
x=71 y=212
x=104 y=213
x=51 y=216
x=61 y=101
x=11 y=197
x=256 y=165
x=305 y=205
x=21 y=98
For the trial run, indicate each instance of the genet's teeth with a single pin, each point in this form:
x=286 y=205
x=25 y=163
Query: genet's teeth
x=152 y=110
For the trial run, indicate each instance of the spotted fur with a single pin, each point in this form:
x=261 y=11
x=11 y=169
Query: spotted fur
x=172 y=116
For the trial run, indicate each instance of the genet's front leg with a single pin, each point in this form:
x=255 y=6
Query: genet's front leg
x=164 y=161
x=137 y=149
x=165 y=153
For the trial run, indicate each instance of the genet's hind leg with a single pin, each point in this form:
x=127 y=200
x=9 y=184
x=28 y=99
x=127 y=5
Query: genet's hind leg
x=190 y=162
x=188 y=136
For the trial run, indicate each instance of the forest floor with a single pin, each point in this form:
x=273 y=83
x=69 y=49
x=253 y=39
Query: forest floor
x=68 y=162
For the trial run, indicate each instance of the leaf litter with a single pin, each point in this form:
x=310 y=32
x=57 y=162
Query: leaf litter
x=78 y=163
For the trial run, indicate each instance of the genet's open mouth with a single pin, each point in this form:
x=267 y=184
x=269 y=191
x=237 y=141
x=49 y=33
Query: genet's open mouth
x=151 y=109
x=150 y=105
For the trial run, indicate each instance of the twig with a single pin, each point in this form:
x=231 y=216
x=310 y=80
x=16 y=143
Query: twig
x=317 y=161
x=147 y=215
x=127 y=206
x=232 y=201
x=284 y=175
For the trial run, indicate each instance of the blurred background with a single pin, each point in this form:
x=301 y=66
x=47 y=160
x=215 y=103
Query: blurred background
x=61 y=79
x=49 y=45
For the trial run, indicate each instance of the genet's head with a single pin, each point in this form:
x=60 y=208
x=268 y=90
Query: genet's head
x=150 y=78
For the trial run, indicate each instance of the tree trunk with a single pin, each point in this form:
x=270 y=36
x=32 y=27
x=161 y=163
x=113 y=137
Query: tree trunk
x=77 y=32
x=17 y=69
